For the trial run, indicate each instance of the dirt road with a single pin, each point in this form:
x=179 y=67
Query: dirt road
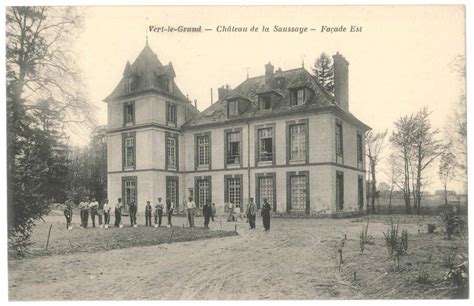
x=296 y=259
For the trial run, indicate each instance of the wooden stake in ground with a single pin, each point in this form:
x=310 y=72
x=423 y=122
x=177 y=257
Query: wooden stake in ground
x=235 y=230
x=340 y=259
x=171 y=236
x=221 y=225
x=49 y=234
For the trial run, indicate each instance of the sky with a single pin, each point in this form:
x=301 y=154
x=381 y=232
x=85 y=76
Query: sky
x=399 y=61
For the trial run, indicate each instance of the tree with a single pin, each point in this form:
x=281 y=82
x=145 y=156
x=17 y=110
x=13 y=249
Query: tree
x=374 y=143
x=42 y=81
x=447 y=170
x=402 y=143
x=427 y=147
x=394 y=173
x=324 y=71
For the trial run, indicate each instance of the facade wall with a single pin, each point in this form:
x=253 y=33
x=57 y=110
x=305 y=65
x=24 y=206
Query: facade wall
x=151 y=173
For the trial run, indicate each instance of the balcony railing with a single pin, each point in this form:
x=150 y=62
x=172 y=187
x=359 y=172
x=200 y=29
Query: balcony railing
x=266 y=156
x=233 y=159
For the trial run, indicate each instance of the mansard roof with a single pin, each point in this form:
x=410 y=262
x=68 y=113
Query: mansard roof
x=281 y=85
x=148 y=74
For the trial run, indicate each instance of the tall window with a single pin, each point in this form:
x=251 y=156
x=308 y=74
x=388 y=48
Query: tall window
x=265 y=144
x=171 y=113
x=129 y=85
x=339 y=190
x=359 y=150
x=129 y=113
x=203 y=191
x=234 y=191
x=171 y=151
x=129 y=192
x=339 y=136
x=233 y=108
x=297 y=96
x=129 y=154
x=172 y=190
x=264 y=102
x=360 y=183
x=297 y=142
x=298 y=192
x=266 y=190
x=233 y=148
x=169 y=85
x=203 y=150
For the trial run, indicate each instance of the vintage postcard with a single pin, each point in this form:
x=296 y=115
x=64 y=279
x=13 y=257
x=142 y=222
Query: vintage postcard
x=236 y=152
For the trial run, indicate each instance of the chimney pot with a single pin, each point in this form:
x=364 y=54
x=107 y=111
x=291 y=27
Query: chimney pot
x=223 y=91
x=268 y=72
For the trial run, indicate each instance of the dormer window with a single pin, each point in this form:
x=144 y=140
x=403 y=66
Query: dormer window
x=129 y=85
x=169 y=86
x=233 y=108
x=298 y=96
x=264 y=102
x=129 y=113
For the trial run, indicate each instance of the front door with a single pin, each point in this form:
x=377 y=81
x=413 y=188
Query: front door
x=266 y=191
x=298 y=193
x=129 y=192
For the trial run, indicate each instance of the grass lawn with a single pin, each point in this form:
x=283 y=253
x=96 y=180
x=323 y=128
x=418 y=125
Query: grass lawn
x=90 y=240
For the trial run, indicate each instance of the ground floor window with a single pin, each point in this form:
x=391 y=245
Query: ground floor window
x=234 y=188
x=172 y=190
x=203 y=192
x=266 y=190
x=129 y=192
x=339 y=190
x=298 y=192
x=360 y=185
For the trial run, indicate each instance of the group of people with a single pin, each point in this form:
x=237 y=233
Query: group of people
x=92 y=208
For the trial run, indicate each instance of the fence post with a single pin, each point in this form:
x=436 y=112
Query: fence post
x=49 y=234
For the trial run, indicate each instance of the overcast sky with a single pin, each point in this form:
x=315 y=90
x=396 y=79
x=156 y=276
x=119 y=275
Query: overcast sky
x=398 y=63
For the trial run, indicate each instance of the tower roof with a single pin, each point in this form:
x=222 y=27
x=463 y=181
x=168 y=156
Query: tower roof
x=146 y=73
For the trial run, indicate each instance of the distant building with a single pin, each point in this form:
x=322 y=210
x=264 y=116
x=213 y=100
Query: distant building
x=278 y=136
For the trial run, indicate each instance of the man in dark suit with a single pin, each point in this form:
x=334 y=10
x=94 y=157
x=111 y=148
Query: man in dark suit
x=207 y=213
x=148 y=211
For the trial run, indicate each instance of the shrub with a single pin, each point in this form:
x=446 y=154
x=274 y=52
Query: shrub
x=423 y=278
x=458 y=275
x=431 y=228
x=448 y=260
x=391 y=238
x=454 y=225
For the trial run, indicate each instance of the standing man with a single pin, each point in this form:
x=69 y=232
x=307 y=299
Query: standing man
x=158 y=212
x=207 y=213
x=169 y=211
x=148 y=211
x=251 y=213
x=132 y=209
x=82 y=205
x=231 y=212
x=68 y=213
x=118 y=212
x=106 y=209
x=85 y=212
x=190 y=206
x=93 y=206
x=213 y=211
x=266 y=208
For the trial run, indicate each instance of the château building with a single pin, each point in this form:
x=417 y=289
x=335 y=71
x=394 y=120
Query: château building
x=278 y=136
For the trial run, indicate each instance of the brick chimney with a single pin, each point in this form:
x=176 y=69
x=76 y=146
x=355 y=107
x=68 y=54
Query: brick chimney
x=223 y=91
x=268 y=72
x=341 y=81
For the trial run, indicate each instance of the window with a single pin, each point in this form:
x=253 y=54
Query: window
x=339 y=190
x=339 y=136
x=297 y=96
x=129 y=85
x=129 y=152
x=171 y=151
x=169 y=86
x=234 y=191
x=266 y=190
x=360 y=184
x=171 y=113
x=129 y=113
x=359 y=150
x=129 y=191
x=298 y=192
x=233 y=108
x=264 y=102
x=233 y=148
x=265 y=144
x=297 y=142
x=203 y=150
x=172 y=190
x=203 y=192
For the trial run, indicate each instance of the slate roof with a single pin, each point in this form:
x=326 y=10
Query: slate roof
x=281 y=84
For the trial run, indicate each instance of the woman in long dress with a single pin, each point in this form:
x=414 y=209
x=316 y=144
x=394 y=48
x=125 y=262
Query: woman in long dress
x=266 y=214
